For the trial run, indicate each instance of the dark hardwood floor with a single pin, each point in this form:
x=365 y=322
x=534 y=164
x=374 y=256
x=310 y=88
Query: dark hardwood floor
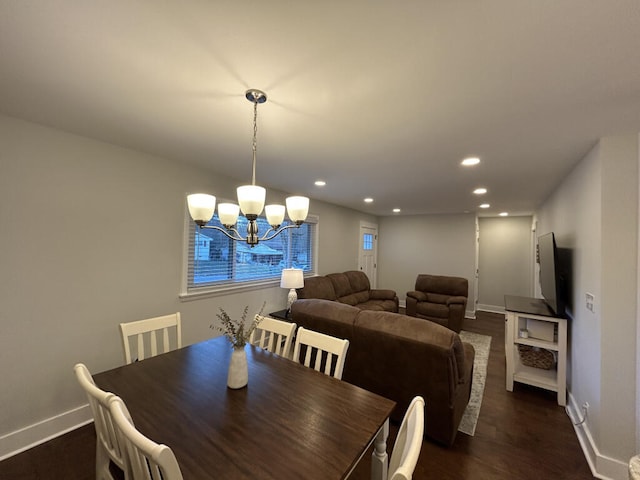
x=522 y=434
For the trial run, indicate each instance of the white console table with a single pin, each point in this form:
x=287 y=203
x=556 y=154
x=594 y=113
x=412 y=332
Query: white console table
x=518 y=311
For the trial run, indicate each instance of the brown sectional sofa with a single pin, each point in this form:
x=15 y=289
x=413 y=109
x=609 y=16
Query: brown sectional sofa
x=352 y=288
x=399 y=357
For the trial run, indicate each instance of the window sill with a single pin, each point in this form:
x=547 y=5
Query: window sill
x=226 y=290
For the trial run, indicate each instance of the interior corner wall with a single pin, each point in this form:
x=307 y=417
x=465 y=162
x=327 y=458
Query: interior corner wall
x=594 y=213
x=434 y=244
x=92 y=235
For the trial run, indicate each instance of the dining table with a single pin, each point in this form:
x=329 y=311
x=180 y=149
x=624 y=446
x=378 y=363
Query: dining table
x=289 y=422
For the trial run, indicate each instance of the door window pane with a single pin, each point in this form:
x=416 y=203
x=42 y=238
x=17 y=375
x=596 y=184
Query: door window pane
x=367 y=241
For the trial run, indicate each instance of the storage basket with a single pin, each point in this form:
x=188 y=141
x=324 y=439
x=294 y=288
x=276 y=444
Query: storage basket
x=536 y=357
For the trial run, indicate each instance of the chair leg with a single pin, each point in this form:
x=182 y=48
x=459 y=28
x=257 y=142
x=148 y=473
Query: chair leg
x=379 y=457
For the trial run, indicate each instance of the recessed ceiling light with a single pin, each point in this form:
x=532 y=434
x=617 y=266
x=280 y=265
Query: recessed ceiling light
x=504 y=214
x=480 y=191
x=368 y=200
x=396 y=210
x=470 y=161
x=485 y=205
x=320 y=183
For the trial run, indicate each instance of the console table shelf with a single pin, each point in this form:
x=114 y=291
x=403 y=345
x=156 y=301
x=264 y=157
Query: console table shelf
x=518 y=311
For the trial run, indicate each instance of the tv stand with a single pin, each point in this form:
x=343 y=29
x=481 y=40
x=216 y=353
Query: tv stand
x=518 y=311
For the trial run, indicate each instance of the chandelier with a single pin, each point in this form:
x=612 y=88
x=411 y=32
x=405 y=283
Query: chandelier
x=251 y=201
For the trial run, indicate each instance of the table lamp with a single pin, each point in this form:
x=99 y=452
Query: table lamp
x=292 y=278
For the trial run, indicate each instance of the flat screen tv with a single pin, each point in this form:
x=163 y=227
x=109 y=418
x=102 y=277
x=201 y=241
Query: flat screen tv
x=552 y=281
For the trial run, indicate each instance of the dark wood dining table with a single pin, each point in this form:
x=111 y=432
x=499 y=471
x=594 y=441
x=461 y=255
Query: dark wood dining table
x=289 y=422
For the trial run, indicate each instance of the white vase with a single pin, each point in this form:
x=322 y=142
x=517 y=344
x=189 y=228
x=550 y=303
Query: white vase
x=238 y=376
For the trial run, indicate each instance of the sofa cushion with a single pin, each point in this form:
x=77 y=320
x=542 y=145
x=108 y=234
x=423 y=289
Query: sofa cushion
x=378 y=305
x=355 y=299
x=341 y=284
x=437 y=298
x=427 y=335
x=436 y=310
x=317 y=287
x=325 y=316
x=441 y=284
x=350 y=287
x=358 y=280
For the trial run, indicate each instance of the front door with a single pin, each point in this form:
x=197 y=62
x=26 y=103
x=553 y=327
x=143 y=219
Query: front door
x=368 y=257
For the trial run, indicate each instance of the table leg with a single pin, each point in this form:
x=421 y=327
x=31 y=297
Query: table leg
x=379 y=458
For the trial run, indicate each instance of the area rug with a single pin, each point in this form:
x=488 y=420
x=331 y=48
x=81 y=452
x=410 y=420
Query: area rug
x=481 y=343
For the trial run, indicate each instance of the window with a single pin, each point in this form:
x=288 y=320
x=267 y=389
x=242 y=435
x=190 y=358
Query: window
x=217 y=262
x=367 y=241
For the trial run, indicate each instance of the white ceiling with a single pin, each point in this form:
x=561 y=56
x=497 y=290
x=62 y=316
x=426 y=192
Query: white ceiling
x=378 y=98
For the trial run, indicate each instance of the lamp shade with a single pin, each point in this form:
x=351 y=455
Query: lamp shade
x=298 y=208
x=292 y=278
x=275 y=214
x=251 y=199
x=228 y=213
x=201 y=206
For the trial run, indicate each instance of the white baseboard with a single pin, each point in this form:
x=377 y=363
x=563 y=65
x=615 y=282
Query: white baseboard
x=603 y=467
x=16 y=442
x=490 y=308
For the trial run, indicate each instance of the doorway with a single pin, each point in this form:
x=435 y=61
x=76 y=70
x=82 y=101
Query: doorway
x=368 y=252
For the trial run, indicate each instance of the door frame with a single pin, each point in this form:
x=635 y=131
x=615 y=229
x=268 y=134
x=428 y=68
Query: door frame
x=366 y=227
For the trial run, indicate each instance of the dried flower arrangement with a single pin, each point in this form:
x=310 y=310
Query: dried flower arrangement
x=236 y=331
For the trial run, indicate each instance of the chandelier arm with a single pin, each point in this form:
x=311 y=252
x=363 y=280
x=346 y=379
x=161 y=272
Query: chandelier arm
x=237 y=236
x=277 y=232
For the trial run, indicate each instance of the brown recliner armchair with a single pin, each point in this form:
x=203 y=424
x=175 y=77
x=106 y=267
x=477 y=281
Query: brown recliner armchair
x=440 y=299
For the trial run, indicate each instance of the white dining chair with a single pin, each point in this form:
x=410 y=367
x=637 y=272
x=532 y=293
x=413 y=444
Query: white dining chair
x=406 y=449
x=273 y=335
x=321 y=350
x=108 y=447
x=144 y=459
x=144 y=335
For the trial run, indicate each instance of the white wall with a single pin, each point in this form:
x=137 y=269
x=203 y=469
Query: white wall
x=505 y=260
x=339 y=237
x=91 y=235
x=594 y=212
x=619 y=157
x=433 y=244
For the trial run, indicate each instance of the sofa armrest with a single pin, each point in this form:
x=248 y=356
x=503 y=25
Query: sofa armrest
x=419 y=296
x=382 y=294
x=456 y=300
